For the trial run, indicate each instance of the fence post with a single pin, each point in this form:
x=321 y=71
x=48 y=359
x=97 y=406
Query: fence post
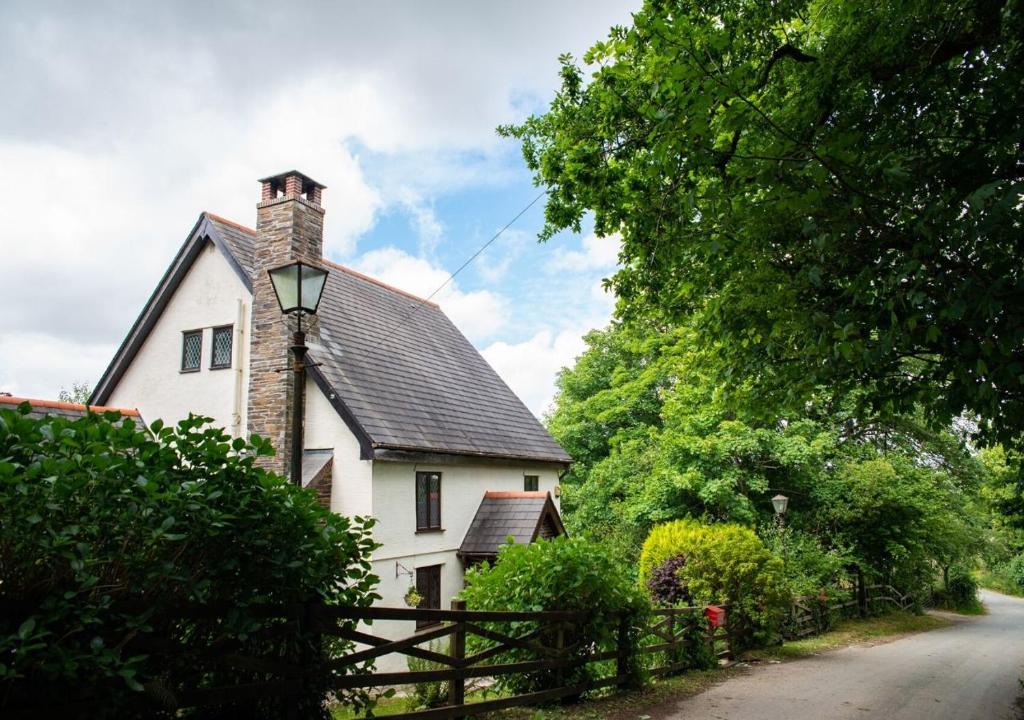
x=673 y=652
x=862 y=594
x=457 y=651
x=622 y=661
x=560 y=648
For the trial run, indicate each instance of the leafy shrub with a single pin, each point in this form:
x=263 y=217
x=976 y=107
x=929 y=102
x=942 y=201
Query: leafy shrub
x=809 y=568
x=726 y=564
x=665 y=586
x=1014 y=571
x=959 y=593
x=561 y=574
x=428 y=694
x=107 y=530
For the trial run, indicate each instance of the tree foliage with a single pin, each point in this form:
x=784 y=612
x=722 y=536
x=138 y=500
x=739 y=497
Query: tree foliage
x=836 y=204
x=107 y=530
x=884 y=493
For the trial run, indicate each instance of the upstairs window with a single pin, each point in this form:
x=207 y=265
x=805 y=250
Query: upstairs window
x=428 y=501
x=221 y=347
x=531 y=483
x=191 y=350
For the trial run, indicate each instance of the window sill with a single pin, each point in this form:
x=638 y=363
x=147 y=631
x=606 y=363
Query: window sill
x=428 y=531
x=189 y=371
x=429 y=625
x=220 y=367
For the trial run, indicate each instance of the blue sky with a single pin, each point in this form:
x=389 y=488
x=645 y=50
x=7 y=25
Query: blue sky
x=123 y=121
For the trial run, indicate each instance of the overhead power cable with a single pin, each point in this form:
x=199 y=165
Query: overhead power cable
x=421 y=302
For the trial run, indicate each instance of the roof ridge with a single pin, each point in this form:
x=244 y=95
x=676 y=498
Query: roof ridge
x=375 y=281
x=225 y=221
x=61 y=405
x=516 y=494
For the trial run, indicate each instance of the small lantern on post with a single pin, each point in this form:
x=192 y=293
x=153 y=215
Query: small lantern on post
x=298 y=287
x=780 y=503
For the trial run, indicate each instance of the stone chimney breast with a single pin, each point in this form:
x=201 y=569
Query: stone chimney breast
x=289 y=227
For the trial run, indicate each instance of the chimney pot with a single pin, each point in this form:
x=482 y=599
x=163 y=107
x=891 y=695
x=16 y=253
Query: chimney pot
x=291 y=184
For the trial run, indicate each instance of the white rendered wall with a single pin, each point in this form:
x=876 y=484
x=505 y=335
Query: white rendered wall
x=403 y=549
x=351 y=478
x=208 y=297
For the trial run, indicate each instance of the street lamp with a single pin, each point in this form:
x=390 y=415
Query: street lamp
x=780 y=503
x=298 y=288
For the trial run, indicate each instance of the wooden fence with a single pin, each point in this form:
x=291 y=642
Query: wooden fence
x=810 y=615
x=481 y=648
x=542 y=642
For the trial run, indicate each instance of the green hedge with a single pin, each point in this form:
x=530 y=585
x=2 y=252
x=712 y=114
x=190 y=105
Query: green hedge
x=561 y=574
x=107 y=530
x=721 y=563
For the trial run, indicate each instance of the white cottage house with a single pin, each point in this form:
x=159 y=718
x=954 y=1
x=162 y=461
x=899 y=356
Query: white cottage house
x=405 y=421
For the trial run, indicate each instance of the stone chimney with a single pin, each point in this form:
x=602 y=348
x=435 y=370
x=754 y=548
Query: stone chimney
x=289 y=227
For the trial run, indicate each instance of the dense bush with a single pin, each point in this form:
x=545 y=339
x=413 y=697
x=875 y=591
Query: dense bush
x=959 y=593
x=560 y=574
x=1014 y=571
x=809 y=567
x=726 y=564
x=664 y=585
x=107 y=531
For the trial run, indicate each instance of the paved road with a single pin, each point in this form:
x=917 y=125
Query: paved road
x=967 y=671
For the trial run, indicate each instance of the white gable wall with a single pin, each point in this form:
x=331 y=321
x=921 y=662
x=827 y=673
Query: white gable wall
x=351 y=477
x=210 y=295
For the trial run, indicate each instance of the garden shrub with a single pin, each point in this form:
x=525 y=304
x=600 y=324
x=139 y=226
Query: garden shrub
x=561 y=574
x=1014 y=571
x=725 y=564
x=427 y=695
x=665 y=587
x=107 y=530
x=960 y=593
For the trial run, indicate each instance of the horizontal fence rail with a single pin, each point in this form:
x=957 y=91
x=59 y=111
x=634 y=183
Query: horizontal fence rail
x=483 y=646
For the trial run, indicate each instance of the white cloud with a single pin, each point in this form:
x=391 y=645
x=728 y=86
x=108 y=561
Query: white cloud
x=479 y=314
x=37 y=365
x=595 y=253
x=530 y=367
x=128 y=124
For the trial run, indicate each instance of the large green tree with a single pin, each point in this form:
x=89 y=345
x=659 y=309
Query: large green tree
x=654 y=441
x=835 y=186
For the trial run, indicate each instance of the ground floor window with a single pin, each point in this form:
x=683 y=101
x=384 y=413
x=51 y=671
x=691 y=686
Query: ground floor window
x=428 y=586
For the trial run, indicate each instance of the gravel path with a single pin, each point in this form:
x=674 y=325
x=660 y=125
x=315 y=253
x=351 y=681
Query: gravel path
x=967 y=671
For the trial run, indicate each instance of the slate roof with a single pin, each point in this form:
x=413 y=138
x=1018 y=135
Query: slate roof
x=394 y=366
x=72 y=411
x=501 y=515
x=314 y=461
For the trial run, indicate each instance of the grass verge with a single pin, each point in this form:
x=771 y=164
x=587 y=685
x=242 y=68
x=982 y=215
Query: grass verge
x=998 y=583
x=849 y=632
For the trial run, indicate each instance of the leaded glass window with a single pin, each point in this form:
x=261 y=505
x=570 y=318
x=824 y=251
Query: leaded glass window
x=221 y=349
x=428 y=585
x=191 y=350
x=428 y=501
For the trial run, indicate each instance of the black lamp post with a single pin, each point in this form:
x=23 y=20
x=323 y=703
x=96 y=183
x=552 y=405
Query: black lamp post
x=298 y=287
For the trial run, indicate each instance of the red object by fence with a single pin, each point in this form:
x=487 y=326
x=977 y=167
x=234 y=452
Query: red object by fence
x=715 y=615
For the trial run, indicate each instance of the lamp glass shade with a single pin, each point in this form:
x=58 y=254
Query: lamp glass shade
x=780 y=502
x=298 y=287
